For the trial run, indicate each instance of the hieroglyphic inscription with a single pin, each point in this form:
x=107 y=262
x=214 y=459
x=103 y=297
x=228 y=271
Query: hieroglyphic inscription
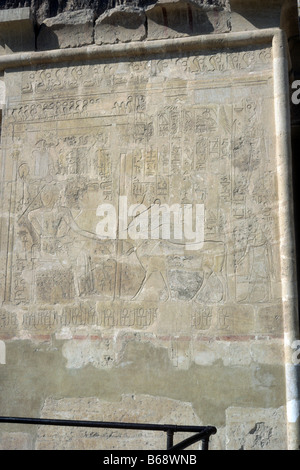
x=158 y=132
x=62 y=80
x=85 y=316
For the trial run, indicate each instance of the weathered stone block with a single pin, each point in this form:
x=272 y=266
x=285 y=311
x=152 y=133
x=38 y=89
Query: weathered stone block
x=69 y=29
x=16 y=30
x=121 y=24
x=179 y=18
x=271 y=14
x=154 y=409
x=250 y=428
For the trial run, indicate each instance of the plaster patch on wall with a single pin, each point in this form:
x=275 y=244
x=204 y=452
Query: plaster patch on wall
x=101 y=354
x=107 y=351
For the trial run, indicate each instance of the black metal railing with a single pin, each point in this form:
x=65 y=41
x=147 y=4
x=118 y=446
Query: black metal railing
x=200 y=433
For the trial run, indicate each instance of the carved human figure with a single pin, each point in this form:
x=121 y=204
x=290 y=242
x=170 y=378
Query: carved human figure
x=213 y=268
x=60 y=238
x=261 y=267
x=257 y=257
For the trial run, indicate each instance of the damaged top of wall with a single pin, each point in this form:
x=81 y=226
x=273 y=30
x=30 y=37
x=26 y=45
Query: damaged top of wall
x=39 y=26
x=42 y=9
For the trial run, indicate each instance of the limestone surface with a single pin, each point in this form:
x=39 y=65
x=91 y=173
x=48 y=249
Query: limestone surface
x=179 y=18
x=121 y=25
x=69 y=29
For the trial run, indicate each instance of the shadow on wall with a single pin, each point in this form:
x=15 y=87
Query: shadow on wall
x=51 y=42
x=183 y=19
x=127 y=24
x=43 y=9
x=17 y=35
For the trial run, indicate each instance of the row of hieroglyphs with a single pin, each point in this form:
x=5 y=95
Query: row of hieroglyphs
x=167 y=119
x=207 y=319
x=139 y=72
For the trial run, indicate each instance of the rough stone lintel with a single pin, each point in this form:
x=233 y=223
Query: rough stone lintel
x=16 y=30
x=15 y=15
x=164 y=19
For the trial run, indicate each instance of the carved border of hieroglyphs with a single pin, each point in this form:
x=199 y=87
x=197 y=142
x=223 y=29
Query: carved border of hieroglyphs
x=50 y=319
x=50 y=109
x=211 y=320
x=87 y=76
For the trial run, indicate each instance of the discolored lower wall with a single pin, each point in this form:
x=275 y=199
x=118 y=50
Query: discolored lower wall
x=137 y=327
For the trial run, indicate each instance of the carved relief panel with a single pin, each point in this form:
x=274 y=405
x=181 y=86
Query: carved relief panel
x=157 y=132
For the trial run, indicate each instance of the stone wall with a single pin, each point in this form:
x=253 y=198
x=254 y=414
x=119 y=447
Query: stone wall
x=116 y=319
x=43 y=9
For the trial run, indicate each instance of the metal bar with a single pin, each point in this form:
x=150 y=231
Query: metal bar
x=202 y=436
x=203 y=432
x=205 y=443
x=103 y=424
x=170 y=438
